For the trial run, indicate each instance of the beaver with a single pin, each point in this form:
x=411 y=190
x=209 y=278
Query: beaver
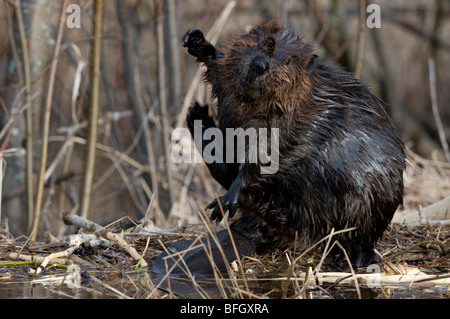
x=341 y=158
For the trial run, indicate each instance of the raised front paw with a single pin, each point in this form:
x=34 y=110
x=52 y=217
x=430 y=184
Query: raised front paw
x=199 y=112
x=197 y=46
x=228 y=202
x=193 y=38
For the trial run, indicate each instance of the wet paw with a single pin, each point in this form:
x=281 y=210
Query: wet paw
x=199 y=112
x=228 y=202
x=193 y=38
x=358 y=254
x=197 y=46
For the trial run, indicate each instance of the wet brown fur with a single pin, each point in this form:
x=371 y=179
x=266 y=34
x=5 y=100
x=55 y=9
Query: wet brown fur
x=288 y=86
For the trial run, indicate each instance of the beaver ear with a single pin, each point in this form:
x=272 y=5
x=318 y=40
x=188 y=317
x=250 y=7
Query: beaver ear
x=312 y=63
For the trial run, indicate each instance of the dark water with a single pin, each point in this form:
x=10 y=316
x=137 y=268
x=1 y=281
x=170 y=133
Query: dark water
x=21 y=288
x=137 y=286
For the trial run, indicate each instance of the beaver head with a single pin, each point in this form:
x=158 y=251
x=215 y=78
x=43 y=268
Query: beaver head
x=268 y=64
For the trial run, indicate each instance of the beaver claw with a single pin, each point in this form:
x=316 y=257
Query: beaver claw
x=228 y=201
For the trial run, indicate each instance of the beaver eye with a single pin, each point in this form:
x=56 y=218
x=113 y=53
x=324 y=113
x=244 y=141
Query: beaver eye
x=287 y=61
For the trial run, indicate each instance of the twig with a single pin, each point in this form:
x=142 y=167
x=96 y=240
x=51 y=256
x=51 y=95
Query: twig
x=71 y=131
x=351 y=269
x=163 y=102
x=72 y=278
x=172 y=43
x=233 y=244
x=114 y=290
x=344 y=278
x=2 y=160
x=7 y=127
x=106 y=149
x=93 y=110
x=108 y=117
x=28 y=115
x=361 y=38
x=290 y=271
x=135 y=98
x=95 y=228
x=435 y=108
x=216 y=273
x=74 y=241
x=197 y=243
x=416 y=29
x=138 y=265
x=65 y=253
x=46 y=127
x=37 y=259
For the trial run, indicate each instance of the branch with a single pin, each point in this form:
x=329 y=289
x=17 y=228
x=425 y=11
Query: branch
x=28 y=114
x=46 y=127
x=435 y=108
x=93 y=110
x=163 y=102
x=361 y=38
x=90 y=226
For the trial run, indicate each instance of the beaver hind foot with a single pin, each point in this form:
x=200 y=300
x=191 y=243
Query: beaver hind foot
x=194 y=256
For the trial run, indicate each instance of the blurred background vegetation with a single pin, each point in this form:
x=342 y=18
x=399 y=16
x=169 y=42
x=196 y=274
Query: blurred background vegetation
x=147 y=80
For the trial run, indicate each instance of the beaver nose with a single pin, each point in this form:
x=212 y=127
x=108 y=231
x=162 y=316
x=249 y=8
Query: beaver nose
x=258 y=66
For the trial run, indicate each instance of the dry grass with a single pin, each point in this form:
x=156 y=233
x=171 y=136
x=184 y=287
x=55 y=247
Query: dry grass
x=414 y=258
x=279 y=274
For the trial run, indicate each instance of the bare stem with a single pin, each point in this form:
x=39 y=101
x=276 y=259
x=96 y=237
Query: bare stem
x=163 y=103
x=435 y=108
x=362 y=38
x=28 y=115
x=46 y=127
x=93 y=110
